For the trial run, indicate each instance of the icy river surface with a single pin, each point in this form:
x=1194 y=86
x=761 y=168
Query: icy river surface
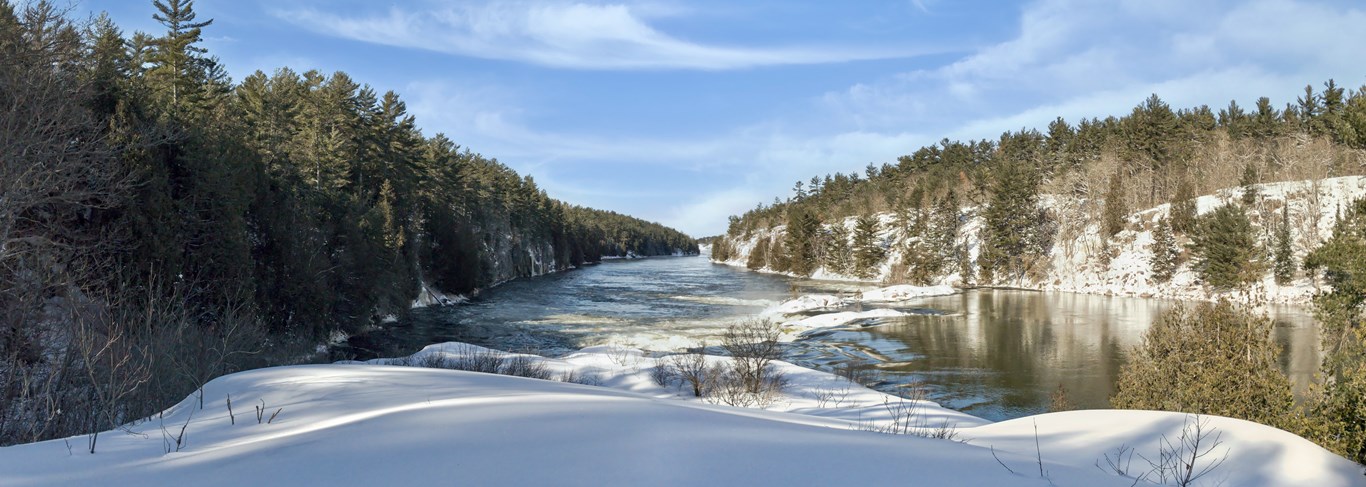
x=996 y=354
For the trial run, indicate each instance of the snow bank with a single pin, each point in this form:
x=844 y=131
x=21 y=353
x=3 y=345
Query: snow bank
x=822 y=322
x=808 y=302
x=905 y=293
x=386 y=425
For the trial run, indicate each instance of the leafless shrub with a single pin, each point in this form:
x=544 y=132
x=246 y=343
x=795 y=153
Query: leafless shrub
x=733 y=389
x=663 y=374
x=526 y=366
x=576 y=377
x=753 y=346
x=831 y=397
x=476 y=360
x=431 y=361
x=692 y=368
x=1190 y=457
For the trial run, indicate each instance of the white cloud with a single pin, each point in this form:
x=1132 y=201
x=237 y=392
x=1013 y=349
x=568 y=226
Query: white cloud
x=567 y=35
x=1077 y=58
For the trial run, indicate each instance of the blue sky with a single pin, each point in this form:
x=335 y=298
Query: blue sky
x=686 y=112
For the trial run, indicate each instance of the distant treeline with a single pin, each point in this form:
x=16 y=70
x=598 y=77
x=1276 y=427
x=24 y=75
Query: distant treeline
x=143 y=193
x=1104 y=168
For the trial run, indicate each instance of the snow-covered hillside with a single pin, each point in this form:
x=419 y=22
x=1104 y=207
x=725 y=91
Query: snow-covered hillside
x=365 y=424
x=1079 y=266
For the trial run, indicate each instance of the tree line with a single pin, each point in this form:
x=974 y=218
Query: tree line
x=156 y=213
x=1104 y=168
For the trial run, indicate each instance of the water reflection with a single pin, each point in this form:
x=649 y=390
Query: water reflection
x=999 y=354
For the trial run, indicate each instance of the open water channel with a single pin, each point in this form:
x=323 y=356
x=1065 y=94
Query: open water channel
x=997 y=354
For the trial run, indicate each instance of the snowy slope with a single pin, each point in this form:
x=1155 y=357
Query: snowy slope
x=393 y=425
x=1078 y=266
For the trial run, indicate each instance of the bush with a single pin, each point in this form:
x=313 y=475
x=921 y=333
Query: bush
x=753 y=346
x=1212 y=359
x=692 y=368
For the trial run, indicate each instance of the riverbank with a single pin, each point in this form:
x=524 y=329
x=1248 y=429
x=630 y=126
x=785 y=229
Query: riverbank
x=368 y=424
x=1082 y=261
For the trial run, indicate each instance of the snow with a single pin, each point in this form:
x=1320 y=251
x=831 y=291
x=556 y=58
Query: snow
x=1078 y=264
x=905 y=292
x=823 y=322
x=370 y=424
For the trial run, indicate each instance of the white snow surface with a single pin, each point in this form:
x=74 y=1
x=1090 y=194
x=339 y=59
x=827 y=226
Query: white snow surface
x=1078 y=264
x=370 y=424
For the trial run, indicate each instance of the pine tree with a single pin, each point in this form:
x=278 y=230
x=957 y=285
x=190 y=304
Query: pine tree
x=179 y=67
x=801 y=243
x=868 y=251
x=838 y=257
x=1249 y=184
x=1339 y=402
x=1165 y=254
x=1183 y=208
x=1285 y=254
x=758 y=256
x=1016 y=229
x=1114 y=207
x=1225 y=248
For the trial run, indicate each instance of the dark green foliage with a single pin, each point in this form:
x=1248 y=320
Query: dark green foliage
x=1017 y=231
x=1165 y=253
x=1115 y=210
x=1209 y=359
x=1183 y=208
x=1225 y=249
x=839 y=258
x=758 y=256
x=224 y=217
x=867 y=247
x=801 y=241
x=1339 y=406
x=1249 y=184
x=1284 y=268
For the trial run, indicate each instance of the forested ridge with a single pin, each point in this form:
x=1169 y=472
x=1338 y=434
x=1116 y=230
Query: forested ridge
x=1033 y=208
x=162 y=224
x=1034 y=191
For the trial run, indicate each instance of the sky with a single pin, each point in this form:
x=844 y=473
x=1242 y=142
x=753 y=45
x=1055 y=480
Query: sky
x=688 y=112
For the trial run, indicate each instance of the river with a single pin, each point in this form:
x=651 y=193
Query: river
x=996 y=354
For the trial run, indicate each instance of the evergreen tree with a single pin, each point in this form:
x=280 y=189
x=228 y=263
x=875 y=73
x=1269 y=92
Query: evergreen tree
x=1114 y=207
x=758 y=256
x=1016 y=229
x=1338 y=406
x=1165 y=253
x=1225 y=248
x=1212 y=359
x=179 y=67
x=868 y=251
x=1249 y=184
x=1183 y=208
x=801 y=243
x=838 y=257
x=1285 y=254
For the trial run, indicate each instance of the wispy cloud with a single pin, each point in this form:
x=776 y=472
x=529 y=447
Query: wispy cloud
x=1076 y=58
x=568 y=35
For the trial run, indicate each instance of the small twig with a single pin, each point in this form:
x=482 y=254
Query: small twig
x=998 y=460
x=272 y=417
x=231 y=417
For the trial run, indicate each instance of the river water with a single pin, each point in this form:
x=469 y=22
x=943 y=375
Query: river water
x=997 y=354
